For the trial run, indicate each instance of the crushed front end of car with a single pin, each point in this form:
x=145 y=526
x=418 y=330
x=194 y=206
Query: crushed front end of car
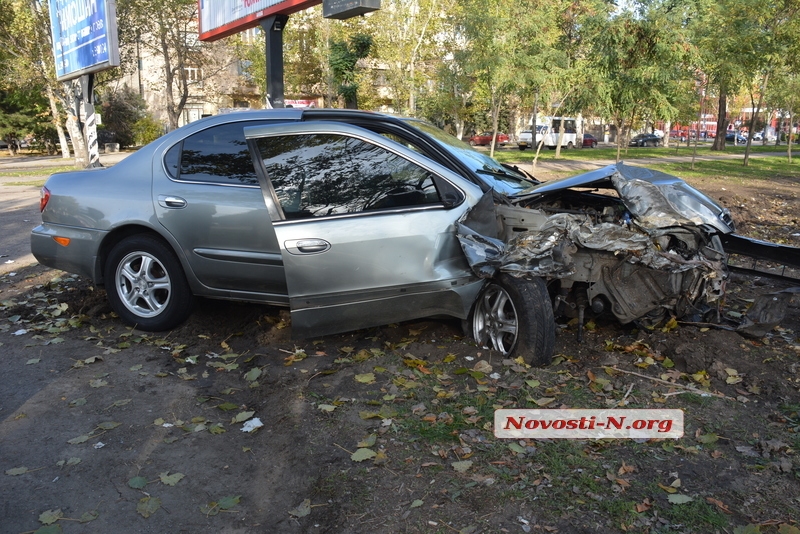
x=625 y=240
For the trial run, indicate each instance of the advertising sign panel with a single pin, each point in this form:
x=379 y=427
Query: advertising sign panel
x=220 y=18
x=84 y=36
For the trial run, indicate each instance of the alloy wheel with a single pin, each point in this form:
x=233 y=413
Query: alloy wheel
x=143 y=284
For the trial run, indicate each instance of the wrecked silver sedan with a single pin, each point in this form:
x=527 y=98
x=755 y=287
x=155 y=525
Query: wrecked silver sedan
x=355 y=219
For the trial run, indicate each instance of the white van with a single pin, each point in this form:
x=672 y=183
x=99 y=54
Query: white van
x=569 y=139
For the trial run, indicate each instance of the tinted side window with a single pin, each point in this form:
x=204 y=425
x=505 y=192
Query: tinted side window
x=218 y=154
x=315 y=175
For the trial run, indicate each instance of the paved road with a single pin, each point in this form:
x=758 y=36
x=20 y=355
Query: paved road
x=19 y=204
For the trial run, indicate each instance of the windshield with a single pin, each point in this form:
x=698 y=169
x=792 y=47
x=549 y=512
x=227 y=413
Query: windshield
x=498 y=177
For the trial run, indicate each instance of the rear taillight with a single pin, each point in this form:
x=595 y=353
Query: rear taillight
x=44 y=198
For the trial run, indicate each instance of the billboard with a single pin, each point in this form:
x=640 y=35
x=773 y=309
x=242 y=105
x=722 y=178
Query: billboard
x=345 y=9
x=220 y=18
x=84 y=36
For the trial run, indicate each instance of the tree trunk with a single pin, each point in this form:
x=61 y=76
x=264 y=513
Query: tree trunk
x=753 y=119
x=560 y=137
x=620 y=137
x=495 y=121
x=70 y=102
x=789 y=137
x=62 y=139
x=722 y=120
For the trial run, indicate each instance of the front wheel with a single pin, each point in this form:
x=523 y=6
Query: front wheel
x=146 y=285
x=570 y=146
x=514 y=316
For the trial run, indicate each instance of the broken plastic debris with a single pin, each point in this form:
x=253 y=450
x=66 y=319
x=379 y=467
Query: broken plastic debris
x=9 y=261
x=99 y=445
x=766 y=312
x=252 y=424
x=20 y=332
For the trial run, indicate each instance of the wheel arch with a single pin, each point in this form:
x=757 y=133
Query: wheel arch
x=124 y=232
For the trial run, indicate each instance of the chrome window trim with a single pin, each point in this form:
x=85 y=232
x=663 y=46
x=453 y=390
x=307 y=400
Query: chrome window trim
x=337 y=128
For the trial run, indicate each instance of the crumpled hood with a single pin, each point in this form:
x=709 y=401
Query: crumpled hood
x=654 y=198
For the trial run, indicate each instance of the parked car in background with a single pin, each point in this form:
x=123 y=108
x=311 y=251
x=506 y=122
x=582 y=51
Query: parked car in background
x=589 y=141
x=658 y=133
x=485 y=138
x=761 y=136
x=645 y=139
x=353 y=220
x=735 y=138
x=525 y=139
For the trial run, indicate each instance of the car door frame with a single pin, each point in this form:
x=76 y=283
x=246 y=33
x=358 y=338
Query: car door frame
x=447 y=288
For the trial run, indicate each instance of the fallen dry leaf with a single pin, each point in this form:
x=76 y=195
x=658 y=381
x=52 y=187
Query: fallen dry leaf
x=719 y=504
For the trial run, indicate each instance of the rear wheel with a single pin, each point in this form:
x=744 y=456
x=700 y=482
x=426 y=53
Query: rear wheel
x=570 y=146
x=146 y=285
x=514 y=316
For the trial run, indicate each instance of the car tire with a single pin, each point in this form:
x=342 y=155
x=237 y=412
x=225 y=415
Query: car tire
x=472 y=143
x=146 y=285
x=522 y=148
x=503 y=305
x=570 y=146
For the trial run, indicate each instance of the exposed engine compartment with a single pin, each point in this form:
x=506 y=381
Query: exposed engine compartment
x=618 y=245
x=603 y=260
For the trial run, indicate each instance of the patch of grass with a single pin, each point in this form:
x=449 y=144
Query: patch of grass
x=765 y=168
x=560 y=457
x=429 y=432
x=331 y=485
x=619 y=511
x=35 y=183
x=36 y=172
x=695 y=516
x=693 y=398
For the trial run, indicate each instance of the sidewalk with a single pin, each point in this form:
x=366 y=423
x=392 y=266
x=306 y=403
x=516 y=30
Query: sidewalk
x=30 y=162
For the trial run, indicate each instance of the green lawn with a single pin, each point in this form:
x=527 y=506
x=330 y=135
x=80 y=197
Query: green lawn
x=678 y=160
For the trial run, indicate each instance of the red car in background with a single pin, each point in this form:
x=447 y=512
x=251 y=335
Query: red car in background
x=485 y=138
x=589 y=141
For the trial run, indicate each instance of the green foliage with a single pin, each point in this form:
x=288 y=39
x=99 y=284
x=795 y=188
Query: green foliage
x=23 y=113
x=343 y=59
x=146 y=130
x=120 y=111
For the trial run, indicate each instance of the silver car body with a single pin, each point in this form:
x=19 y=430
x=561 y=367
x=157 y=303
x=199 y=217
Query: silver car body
x=336 y=273
x=259 y=232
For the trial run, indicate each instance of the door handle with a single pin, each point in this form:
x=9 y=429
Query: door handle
x=169 y=201
x=306 y=246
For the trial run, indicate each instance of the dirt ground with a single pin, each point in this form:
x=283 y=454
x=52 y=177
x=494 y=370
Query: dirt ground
x=108 y=429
